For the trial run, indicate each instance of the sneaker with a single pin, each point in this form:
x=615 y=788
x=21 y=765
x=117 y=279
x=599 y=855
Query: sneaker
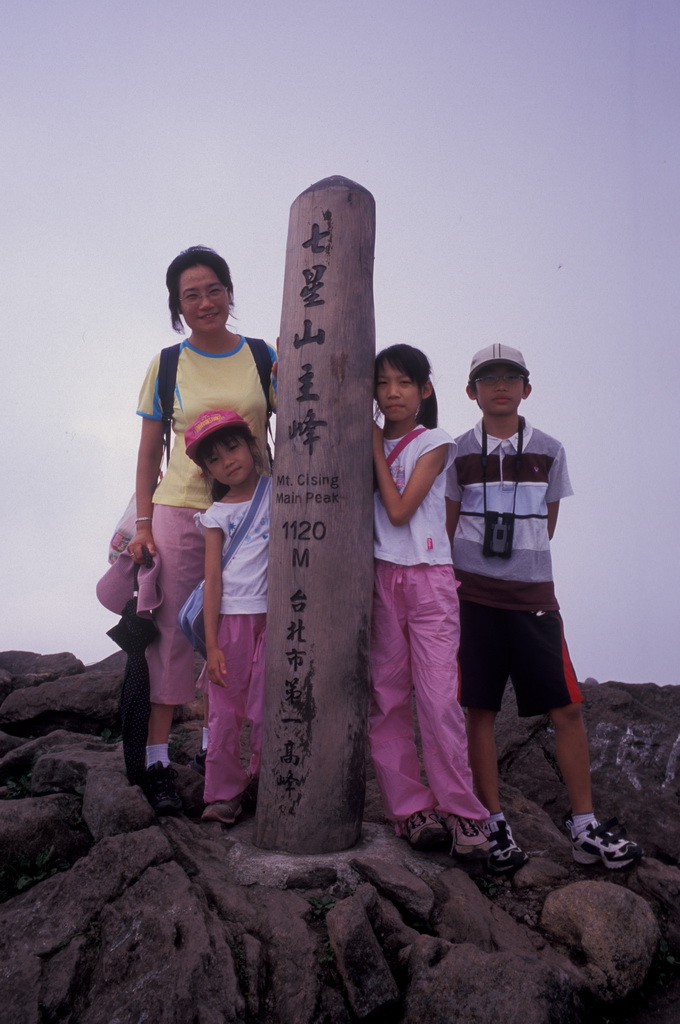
x=225 y=811
x=198 y=761
x=606 y=843
x=504 y=853
x=424 y=830
x=467 y=835
x=159 y=789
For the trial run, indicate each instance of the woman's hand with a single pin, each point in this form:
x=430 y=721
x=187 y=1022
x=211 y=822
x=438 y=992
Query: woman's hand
x=141 y=540
x=217 y=666
x=148 y=464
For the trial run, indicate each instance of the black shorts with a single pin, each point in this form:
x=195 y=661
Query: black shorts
x=528 y=647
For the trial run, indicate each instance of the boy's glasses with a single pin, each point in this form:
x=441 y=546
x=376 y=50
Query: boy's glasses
x=495 y=378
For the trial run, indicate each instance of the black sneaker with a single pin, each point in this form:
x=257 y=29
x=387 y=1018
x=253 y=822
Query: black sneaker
x=160 y=789
x=198 y=761
x=606 y=843
x=504 y=853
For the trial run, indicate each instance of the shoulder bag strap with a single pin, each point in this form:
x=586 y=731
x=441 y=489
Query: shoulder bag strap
x=247 y=520
x=406 y=439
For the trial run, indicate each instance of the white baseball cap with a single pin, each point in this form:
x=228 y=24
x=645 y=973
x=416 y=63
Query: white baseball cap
x=497 y=354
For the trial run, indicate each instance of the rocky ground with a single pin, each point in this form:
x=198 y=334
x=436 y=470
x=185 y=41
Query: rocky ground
x=110 y=916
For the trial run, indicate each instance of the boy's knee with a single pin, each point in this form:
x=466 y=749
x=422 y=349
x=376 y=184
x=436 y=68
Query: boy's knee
x=569 y=715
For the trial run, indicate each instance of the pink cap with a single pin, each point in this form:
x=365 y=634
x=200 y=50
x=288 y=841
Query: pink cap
x=207 y=423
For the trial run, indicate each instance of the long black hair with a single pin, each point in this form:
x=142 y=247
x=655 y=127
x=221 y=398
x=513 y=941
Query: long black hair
x=415 y=365
x=207 y=447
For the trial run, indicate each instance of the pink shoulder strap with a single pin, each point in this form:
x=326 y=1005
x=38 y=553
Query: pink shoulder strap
x=406 y=439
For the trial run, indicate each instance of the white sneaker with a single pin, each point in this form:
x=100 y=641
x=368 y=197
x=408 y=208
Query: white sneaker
x=606 y=843
x=467 y=836
x=424 y=830
x=504 y=853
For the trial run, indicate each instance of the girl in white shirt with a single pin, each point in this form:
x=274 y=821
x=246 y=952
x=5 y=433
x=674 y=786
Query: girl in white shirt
x=234 y=604
x=415 y=632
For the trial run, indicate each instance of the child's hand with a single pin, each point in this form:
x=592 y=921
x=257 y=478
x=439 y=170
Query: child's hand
x=217 y=666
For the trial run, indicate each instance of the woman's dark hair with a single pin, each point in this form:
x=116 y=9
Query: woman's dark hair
x=207 y=447
x=415 y=365
x=196 y=256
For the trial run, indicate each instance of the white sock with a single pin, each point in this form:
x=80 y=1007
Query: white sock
x=580 y=823
x=206 y=734
x=157 y=752
x=491 y=821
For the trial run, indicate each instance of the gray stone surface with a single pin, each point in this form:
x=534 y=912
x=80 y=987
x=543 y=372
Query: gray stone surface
x=88 y=701
x=359 y=958
x=613 y=929
x=398 y=884
x=178 y=920
x=460 y=984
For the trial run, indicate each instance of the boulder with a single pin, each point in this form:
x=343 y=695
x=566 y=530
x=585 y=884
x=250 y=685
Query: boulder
x=33 y=828
x=461 y=984
x=633 y=732
x=397 y=883
x=610 y=928
x=86 y=702
x=174 y=919
x=359 y=958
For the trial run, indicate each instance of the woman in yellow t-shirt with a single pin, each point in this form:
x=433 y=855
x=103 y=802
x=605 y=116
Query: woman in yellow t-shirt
x=215 y=370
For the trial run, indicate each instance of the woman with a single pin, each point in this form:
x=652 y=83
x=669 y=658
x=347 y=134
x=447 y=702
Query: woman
x=216 y=370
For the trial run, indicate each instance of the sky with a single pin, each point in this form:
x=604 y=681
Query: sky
x=524 y=158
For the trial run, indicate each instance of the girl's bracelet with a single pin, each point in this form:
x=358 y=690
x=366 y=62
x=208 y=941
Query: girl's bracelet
x=144 y=519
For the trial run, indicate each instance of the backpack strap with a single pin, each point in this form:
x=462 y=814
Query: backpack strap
x=263 y=361
x=406 y=439
x=167 y=376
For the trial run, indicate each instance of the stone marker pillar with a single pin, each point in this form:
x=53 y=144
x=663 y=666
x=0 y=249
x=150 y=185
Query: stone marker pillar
x=311 y=793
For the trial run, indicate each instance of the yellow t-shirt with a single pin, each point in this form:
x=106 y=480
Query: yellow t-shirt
x=204 y=381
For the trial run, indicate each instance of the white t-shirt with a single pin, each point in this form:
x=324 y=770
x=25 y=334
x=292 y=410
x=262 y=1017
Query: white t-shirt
x=244 y=581
x=423 y=540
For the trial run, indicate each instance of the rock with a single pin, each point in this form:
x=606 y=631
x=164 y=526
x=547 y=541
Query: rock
x=359 y=958
x=634 y=738
x=159 y=938
x=22 y=666
x=386 y=922
x=460 y=984
x=465 y=915
x=111 y=805
x=8 y=743
x=87 y=702
x=613 y=929
x=152 y=910
x=660 y=884
x=539 y=873
x=21 y=758
x=312 y=878
x=399 y=884
x=65 y=769
x=34 y=827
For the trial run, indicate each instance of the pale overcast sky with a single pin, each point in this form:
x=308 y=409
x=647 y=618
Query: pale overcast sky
x=524 y=159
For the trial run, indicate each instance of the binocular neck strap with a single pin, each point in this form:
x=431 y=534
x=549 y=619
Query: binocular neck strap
x=518 y=458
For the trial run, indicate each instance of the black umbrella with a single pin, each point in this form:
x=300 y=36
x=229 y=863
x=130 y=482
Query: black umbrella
x=133 y=634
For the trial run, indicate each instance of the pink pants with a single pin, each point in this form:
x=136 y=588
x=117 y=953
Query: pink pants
x=242 y=641
x=414 y=641
x=171 y=657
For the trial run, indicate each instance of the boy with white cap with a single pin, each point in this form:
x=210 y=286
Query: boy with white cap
x=503 y=493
